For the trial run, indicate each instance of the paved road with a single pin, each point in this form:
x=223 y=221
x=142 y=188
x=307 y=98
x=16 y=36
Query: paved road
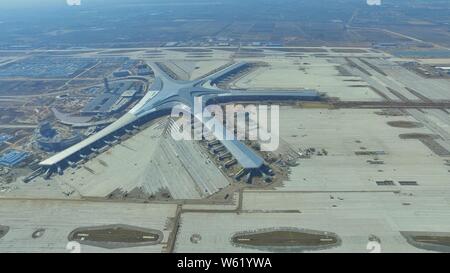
x=18 y=126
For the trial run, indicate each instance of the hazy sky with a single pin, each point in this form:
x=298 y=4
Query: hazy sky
x=30 y=3
x=5 y=4
x=59 y=3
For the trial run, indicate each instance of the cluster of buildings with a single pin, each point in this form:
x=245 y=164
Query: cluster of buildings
x=47 y=67
x=13 y=158
x=444 y=69
x=144 y=70
x=50 y=140
x=171 y=92
x=114 y=98
x=141 y=70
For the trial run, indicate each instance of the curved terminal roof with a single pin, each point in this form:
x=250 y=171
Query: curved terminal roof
x=246 y=157
x=111 y=129
x=166 y=92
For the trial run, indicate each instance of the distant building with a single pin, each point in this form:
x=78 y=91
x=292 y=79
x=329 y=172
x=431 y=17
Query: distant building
x=119 y=96
x=106 y=104
x=58 y=144
x=4 y=138
x=122 y=73
x=106 y=83
x=274 y=44
x=444 y=69
x=101 y=104
x=123 y=101
x=171 y=44
x=385 y=45
x=374 y=2
x=12 y=158
x=129 y=93
x=144 y=70
x=46 y=130
x=49 y=140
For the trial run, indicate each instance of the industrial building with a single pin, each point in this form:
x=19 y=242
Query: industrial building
x=121 y=73
x=50 y=140
x=101 y=104
x=144 y=70
x=444 y=69
x=57 y=144
x=46 y=67
x=12 y=158
x=115 y=98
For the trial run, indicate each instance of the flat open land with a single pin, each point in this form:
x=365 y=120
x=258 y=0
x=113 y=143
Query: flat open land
x=297 y=23
x=55 y=220
x=344 y=133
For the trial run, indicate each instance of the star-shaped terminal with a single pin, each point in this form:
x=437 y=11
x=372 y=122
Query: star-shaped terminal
x=166 y=93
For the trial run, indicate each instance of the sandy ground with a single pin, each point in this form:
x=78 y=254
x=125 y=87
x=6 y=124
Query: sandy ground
x=59 y=218
x=342 y=133
x=307 y=73
x=152 y=162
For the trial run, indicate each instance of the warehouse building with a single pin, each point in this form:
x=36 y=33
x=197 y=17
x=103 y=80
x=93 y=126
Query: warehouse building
x=115 y=98
x=122 y=73
x=50 y=140
x=12 y=158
